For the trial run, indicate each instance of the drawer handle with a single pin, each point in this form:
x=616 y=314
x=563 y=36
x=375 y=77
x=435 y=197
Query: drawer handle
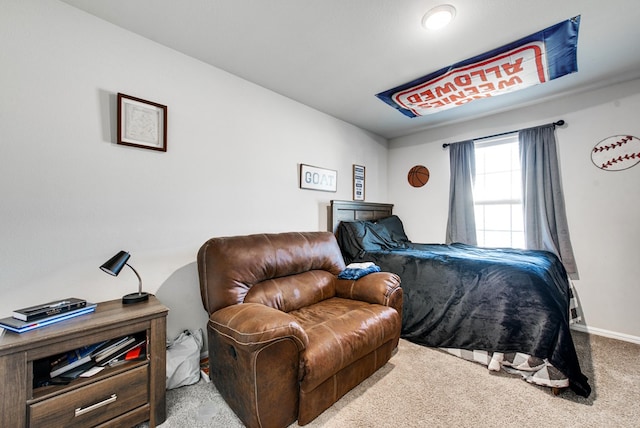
x=80 y=411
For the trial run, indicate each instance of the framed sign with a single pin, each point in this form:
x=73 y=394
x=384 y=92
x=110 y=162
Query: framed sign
x=142 y=123
x=314 y=178
x=358 y=182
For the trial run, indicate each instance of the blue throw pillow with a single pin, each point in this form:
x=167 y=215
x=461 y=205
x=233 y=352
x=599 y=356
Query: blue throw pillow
x=394 y=226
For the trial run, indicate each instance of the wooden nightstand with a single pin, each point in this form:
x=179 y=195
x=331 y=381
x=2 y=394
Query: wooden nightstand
x=124 y=395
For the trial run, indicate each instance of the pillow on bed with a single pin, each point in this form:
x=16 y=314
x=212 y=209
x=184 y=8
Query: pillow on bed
x=378 y=235
x=349 y=235
x=356 y=237
x=394 y=226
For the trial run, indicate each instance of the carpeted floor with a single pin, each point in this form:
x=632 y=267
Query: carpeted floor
x=426 y=387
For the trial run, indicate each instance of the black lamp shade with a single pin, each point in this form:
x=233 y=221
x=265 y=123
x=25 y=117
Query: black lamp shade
x=114 y=265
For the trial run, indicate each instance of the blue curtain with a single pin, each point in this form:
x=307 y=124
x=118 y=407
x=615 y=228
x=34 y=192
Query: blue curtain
x=545 y=219
x=461 y=225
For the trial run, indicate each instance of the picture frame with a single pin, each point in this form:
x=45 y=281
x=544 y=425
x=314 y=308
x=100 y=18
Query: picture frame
x=142 y=123
x=359 y=177
x=315 y=178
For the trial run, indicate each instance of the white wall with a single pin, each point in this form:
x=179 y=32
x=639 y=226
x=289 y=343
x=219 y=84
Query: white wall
x=603 y=208
x=71 y=197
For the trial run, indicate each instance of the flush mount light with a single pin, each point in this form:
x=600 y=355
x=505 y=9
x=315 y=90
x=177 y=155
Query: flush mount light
x=438 y=17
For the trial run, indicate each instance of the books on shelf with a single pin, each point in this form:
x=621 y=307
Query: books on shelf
x=49 y=309
x=19 y=326
x=70 y=365
x=131 y=352
x=137 y=352
x=112 y=348
x=78 y=371
x=73 y=359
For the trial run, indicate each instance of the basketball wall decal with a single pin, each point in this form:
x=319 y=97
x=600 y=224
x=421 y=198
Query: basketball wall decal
x=418 y=176
x=616 y=153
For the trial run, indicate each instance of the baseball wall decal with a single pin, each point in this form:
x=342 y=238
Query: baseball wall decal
x=616 y=153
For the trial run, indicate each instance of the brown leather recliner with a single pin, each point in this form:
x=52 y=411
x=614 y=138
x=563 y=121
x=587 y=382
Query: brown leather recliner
x=287 y=338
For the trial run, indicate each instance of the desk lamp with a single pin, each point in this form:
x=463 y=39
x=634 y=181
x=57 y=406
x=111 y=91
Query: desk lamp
x=114 y=265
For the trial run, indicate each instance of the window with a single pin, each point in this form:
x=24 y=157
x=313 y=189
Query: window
x=497 y=193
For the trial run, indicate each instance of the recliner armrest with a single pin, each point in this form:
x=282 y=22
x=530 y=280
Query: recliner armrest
x=253 y=326
x=382 y=288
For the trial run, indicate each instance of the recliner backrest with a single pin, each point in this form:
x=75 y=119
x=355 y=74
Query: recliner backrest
x=230 y=267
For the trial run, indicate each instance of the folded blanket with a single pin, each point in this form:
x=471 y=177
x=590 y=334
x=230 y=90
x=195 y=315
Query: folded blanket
x=358 y=270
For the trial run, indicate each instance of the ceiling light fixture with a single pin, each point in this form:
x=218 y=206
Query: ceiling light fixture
x=438 y=17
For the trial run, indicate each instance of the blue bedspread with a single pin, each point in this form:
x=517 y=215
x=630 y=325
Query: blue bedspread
x=461 y=296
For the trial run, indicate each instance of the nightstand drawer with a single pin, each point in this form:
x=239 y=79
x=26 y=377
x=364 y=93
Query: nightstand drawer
x=95 y=403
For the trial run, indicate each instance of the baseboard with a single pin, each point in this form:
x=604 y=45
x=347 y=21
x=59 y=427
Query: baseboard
x=606 y=333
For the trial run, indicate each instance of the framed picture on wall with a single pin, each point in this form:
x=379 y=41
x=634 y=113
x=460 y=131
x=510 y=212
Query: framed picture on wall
x=358 y=182
x=142 y=123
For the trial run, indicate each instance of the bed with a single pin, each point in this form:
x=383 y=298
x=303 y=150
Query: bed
x=508 y=309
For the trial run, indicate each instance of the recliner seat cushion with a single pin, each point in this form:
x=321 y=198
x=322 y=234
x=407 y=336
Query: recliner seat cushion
x=341 y=331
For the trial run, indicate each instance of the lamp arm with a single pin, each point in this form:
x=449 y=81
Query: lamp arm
x=139 y=279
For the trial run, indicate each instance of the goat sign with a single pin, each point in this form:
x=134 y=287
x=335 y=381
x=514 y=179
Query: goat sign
x=314 y=178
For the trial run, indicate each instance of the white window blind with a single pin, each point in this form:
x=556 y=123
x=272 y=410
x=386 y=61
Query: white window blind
x=498 y=192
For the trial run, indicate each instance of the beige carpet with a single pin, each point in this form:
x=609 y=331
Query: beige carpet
x=422 y=387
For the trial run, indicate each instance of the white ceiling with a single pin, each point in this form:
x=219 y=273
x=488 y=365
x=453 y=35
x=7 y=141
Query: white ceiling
x=335 y=55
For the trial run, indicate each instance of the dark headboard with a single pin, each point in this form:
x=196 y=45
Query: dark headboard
x=354 y=210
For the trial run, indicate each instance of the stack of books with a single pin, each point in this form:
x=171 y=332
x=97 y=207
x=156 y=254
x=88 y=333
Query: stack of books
x=70 y=365
x=77 y=360
x=126 y=348
x=33 y=317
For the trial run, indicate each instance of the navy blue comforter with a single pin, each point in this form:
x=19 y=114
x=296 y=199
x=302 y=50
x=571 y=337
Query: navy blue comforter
x=500 y=300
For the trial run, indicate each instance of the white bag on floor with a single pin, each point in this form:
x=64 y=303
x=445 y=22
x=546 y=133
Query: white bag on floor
x=183 y=359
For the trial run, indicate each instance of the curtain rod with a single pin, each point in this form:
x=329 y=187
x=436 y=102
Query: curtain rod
x=558 y=123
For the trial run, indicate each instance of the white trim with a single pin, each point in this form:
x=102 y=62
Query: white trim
x=498 y=202
x=606 y=333
x=496 y=140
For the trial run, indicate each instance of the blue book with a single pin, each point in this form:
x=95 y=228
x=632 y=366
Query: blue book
x=19 y=326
